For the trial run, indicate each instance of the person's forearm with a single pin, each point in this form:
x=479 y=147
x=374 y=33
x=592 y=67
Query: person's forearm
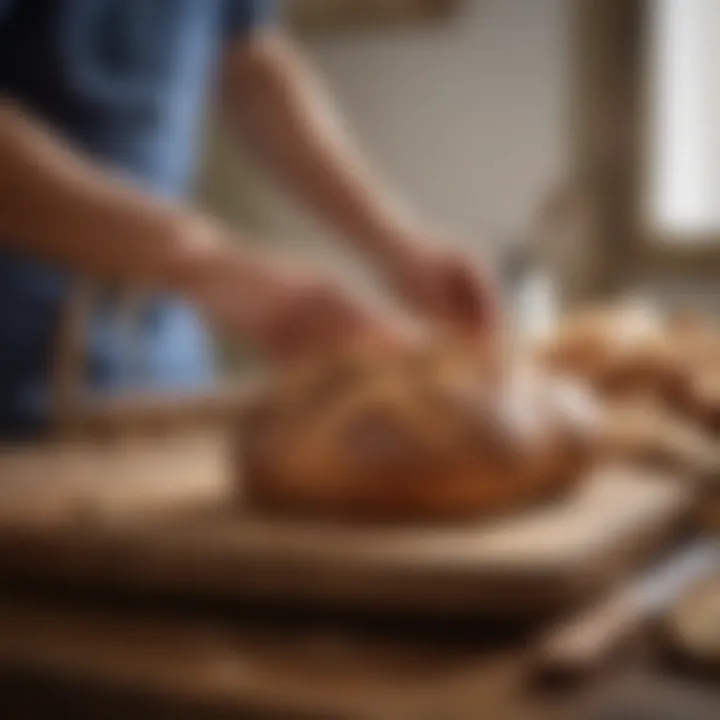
x=61 y=208
x=269 y=93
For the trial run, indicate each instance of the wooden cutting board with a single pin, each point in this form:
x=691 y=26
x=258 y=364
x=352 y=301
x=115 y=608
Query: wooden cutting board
x=159 y=514
x=95 y=662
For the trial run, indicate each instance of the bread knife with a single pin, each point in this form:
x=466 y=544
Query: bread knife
x=580 y=645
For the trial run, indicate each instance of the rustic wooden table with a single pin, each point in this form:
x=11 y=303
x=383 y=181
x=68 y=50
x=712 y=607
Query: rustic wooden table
x=97 y=657
x=75 y=652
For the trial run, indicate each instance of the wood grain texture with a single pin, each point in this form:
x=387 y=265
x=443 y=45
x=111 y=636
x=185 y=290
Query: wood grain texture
x=160 y=515
x=250 y=667
x=109 y=663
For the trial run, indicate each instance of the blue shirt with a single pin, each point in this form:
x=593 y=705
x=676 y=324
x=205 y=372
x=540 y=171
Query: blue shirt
x=125 y=81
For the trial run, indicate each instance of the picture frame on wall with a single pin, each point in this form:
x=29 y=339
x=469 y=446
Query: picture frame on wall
x=349 y=15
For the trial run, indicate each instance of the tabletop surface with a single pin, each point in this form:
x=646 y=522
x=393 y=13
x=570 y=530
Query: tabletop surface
x=99 y=656
x=115 y=655
x=163 y=513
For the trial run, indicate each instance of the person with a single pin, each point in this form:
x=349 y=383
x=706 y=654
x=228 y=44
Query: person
x=100 y=109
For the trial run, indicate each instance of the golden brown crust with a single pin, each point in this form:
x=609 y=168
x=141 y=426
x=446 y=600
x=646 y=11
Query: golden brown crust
x=425 y=433
x=626 y=354
x=700 y=343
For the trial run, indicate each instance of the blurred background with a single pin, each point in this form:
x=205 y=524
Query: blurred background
x=469 y=132
x=482 y=110
x=575 y=142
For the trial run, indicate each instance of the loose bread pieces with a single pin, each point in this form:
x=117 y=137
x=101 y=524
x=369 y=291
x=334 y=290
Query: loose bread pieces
x=621 y=350
x=432 y=432
x=698 y=340
x=627 y=352
x=642 y=430
x=693 y=625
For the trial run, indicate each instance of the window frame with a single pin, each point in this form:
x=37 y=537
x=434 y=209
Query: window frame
x=610 y=39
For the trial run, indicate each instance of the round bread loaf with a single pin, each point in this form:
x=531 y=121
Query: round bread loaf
x=419 y=433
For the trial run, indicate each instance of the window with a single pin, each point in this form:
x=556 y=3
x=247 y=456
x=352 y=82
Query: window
x=682 y=200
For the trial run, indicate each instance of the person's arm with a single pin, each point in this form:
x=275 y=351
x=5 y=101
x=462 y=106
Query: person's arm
x=271 y=95
x=61 y=208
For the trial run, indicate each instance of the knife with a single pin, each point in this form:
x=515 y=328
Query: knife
x=579 y=646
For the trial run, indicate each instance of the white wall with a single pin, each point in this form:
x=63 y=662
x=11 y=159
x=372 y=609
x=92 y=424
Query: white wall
x=468 y=120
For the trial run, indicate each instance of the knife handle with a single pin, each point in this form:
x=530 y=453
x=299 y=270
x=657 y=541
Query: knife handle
x=580 y=646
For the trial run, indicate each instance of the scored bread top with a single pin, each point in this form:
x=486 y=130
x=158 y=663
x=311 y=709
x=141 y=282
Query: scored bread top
x=436 y=430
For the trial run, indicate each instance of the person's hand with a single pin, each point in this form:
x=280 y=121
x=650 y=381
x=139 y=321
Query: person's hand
x=288 y=313
x=442 y=283
x=306 y=315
